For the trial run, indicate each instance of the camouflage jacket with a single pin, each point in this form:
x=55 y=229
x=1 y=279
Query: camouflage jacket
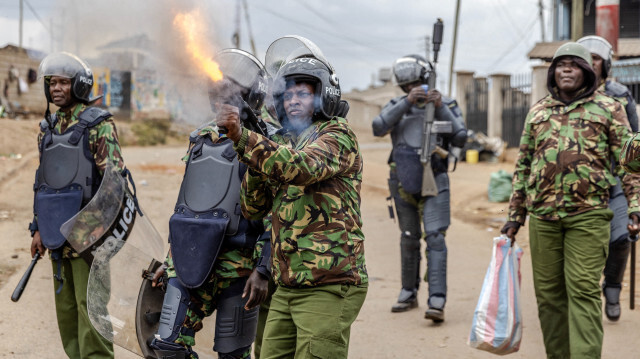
x=310 y=184
x=564 y=165
x=103 y=144
x=231 y=262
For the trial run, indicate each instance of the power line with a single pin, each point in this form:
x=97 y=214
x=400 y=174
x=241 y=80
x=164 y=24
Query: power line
x=36 y=15
x=514 y=44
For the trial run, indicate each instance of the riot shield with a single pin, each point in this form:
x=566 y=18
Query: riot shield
x=124 y=247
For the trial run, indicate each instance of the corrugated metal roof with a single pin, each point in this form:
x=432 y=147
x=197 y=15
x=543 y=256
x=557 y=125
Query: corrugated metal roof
x=544 y=50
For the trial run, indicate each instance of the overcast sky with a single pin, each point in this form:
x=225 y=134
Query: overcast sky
x=358 y=37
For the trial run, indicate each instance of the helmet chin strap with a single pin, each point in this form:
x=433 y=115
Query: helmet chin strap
x=47 y=116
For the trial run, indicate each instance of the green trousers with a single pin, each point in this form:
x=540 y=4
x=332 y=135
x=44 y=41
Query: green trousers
x=567 y=257
x=311 y=322
x=79 y=338
x=262 y=319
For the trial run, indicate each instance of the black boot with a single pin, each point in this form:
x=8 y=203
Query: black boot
x=613 y=275
x=611 y=300
x=408 y=299
x=436 y=309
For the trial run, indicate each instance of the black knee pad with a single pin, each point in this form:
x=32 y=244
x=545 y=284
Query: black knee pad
x=235 y=326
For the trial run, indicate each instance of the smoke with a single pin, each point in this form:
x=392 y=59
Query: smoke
x=85 y=27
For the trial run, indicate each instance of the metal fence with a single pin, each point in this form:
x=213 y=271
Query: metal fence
x=515 y=106
x=477 y=97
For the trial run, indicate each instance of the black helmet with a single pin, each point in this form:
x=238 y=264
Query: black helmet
x=67 y=65
x=411 y=68
x=600 y=46
x=243 y=75
x=296 y=59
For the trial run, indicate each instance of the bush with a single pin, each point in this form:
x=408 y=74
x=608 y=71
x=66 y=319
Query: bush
x=150 y=132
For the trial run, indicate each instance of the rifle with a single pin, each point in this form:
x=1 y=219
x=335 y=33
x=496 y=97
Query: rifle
x=227 y=92
x=25 y=278
x=429 y=186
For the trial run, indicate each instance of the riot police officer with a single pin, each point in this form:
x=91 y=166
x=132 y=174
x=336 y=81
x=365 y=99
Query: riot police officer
x=76 y=144
x=403 y=118
x=619 y=245
x=213 y=264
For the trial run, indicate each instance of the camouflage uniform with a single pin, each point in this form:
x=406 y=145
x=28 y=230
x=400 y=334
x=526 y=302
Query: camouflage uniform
x=310 y=183
x=233 y=266
x=562 y=180
x=79 y=338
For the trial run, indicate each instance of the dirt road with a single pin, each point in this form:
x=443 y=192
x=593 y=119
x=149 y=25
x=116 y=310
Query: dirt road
x=28 y=328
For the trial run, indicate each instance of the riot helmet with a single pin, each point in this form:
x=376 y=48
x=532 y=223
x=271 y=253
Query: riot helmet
x=601 y=47
x=411 y=68
x=243 y=76
x=70 y=66
x=294 y=59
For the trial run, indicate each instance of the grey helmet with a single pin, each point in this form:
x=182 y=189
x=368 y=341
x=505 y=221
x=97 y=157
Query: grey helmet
x=68 y=65
x=601 y=47
x=243 y=76
x=411 y=68
x=295 y=58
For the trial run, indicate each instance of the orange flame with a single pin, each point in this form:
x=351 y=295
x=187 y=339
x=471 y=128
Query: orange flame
x=190 y=24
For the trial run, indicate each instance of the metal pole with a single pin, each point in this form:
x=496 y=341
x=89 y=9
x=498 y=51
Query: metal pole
x=453 y=49
x=577 y=20
x=246 y=16
x=541 y=19
x=21 y=15
x=632 y=278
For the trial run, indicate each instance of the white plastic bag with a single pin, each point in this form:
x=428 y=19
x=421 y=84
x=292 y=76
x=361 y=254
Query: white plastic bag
x=497 y=321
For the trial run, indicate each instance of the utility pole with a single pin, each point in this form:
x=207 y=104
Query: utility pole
x=235 y=38
x=453 y=49
x=246 y=16
x=577 y=19
x=20 y=30
x=540 y=7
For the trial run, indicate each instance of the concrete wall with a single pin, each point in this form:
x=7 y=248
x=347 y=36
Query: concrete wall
x=364 y=105
x=31 y=101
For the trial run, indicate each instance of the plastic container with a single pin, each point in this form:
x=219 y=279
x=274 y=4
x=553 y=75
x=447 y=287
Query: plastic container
x=472 y=156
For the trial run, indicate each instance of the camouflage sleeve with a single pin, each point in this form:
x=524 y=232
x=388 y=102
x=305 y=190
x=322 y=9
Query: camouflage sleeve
x=333 y=152
x=619 y=134
x=103 y=143
x=517 y=204
x=256 y=197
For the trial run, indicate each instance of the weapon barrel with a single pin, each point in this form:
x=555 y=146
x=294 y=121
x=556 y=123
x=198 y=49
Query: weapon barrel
x=25 y=279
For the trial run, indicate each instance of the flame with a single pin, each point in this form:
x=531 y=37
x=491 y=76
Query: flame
x=191 y=26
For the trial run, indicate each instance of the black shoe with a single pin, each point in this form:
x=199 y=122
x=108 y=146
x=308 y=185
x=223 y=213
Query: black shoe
x=436 y=308
x=408 y=299
x=612 y=301
x=435 y=314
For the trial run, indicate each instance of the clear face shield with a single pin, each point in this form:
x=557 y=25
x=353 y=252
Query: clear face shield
x=243 y=75
x=62 y=64
x=292 y=47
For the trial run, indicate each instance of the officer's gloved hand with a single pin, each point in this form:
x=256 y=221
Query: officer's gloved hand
x=634 y=223
x=510 y=229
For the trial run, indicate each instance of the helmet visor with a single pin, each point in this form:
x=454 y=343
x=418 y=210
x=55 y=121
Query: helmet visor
x=62 y=64
x=291 y=47
x=407 y=70
x=597 y=46
x=240 y=67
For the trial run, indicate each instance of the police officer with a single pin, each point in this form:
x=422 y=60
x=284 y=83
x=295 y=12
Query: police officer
x=619 y=245
x=76 y=144
x=216 y=261
x=403 y=117
x=308 y=177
